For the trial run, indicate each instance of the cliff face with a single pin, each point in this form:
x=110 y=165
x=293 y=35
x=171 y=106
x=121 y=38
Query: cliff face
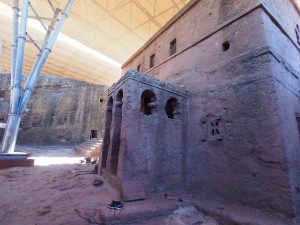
x=60 y=111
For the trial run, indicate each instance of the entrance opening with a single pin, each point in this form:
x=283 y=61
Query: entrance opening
x=106 y=139
x=93 y=134
x=148 y=102
x=116 y=133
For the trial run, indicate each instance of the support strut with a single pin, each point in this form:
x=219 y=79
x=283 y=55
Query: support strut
x=18 y=102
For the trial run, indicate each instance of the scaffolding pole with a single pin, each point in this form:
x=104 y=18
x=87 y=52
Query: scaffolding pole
x=17 y=61
x=19 y=103
x=46 y=39
x=14 y=43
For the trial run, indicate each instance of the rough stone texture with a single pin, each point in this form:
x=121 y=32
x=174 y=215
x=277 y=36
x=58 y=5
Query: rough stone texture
x=61 y=111
x=242 y=133
x=196 y=25
x=285 y=14
x=132 y=190
x=140 y=146
x=9 y=163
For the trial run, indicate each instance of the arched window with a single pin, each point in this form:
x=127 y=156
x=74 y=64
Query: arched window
x=172 y=108
x=106 y=138
x=110 y=104
x=119 y=99
x=148 y=102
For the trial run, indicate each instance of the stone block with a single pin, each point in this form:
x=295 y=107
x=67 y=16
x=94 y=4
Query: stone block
x=9 y=163
x=132 y=190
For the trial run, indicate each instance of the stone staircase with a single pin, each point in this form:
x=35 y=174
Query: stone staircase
x=89 y=149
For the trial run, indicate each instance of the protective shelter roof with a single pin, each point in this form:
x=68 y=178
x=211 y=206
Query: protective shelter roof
x=98 y=36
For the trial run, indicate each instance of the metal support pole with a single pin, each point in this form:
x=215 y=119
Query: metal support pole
x=11 y=133
x=33 y=42
x=20 y=56
x=40 y=18
x=37 y=16
x=14 y=44
x=48 y=35
x=35 y=74
x=17 y=62
x=12 y=128
x=50 y=3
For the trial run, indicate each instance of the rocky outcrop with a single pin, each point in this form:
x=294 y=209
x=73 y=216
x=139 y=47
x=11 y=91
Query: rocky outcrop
x=60 y=111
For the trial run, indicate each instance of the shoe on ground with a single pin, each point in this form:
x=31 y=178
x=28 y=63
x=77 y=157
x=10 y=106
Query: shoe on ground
x=117 y=205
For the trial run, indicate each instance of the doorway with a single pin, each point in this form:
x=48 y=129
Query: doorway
x=93 y=134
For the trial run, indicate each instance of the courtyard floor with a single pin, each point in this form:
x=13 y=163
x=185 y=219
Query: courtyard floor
x=58 y=190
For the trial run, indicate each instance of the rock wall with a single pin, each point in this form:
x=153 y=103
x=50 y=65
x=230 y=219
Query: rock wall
x=60 y=111
x=202 y=21
x=241 y=66
x=145 y=134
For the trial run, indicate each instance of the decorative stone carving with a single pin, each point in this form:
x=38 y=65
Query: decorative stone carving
x=212 y=128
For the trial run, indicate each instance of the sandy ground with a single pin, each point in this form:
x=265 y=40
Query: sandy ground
x=51 y=191
x=59 y=190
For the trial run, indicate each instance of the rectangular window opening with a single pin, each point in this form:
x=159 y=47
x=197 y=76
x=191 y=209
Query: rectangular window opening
x=173 y=47
x=298 y=123
x=152 y=60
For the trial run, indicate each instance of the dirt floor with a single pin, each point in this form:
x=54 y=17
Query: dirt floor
x=59 y=190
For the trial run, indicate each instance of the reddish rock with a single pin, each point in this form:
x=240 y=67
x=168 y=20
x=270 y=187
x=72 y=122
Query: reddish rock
x=132 y=190
x=10 y=163
x=237 y=137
